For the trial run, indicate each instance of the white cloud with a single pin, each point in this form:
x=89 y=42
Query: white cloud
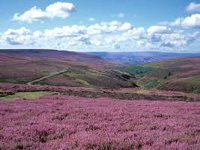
x=108 y=27
x=134 y=34
x=37 y=34
x=125 y=26
x=121 y=15
x=16 y=36
x=65 y=31
x=60 y=9
x=176 y=22
x=56 y=10
x=158 y=29
x=21 y=31
x=174 y=40
x=193 y=7
x=104 y=36
x=192 y=21
x=96 y=42
x=137 y=31
x=91 y=19
x=167 y=38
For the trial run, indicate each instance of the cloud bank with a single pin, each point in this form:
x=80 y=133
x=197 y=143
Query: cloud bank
x=113 y=36
x=178 y=34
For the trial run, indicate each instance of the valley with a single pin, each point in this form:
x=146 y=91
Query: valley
x=65 y=100
x=141 y=57
x=100 y=75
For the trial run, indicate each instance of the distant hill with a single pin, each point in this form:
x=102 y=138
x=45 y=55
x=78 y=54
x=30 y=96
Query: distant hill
x=64 y=68
x=82 y=70
x=140 y=57
x=64 y=56
x=182 y=74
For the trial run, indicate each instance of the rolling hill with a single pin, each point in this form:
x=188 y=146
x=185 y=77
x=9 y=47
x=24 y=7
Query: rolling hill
x=61 y=56
x=62 y=68
x=87 y=102
x=182 y=74
x=71 y=69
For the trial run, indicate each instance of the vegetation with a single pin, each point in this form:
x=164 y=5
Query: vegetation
x=45 y=73
x=63 y=122
x=173 y=75
x=100 y=108
x=137 y=70
x=9 y=80
x=151 y=84
x=88 y=77
x=29 y=95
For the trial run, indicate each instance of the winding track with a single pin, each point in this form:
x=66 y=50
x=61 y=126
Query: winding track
x=46 y=77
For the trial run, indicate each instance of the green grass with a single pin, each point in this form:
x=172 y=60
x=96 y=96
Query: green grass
x=10 y=80
x=30 y=95
x=82 y=81
x=194 y=85
x=151 y=84
x=82 y=75
x=45 y=73
x=156 y=64
x=15 y=80
x=137 y=70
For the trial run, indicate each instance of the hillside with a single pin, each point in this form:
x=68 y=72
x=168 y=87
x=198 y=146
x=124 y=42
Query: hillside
x=181 y=74
x=141 y=57
x=60 y=68
x=61 y=56
x=97 y=104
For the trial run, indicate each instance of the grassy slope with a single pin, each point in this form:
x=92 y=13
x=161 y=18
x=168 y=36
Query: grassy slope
x=89 y=77
x=84 y=71
x=173 y=74
x=24 y=71
x=29 y=95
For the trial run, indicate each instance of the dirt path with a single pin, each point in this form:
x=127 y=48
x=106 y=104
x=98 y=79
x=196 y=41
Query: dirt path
x=46 y=77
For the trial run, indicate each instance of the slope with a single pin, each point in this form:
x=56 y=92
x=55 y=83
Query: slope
x=81 y=70
x=181 y=74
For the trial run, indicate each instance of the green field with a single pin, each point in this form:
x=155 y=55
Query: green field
x=28 y=95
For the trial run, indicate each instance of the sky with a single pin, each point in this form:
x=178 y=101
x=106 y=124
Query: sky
x=101 y=25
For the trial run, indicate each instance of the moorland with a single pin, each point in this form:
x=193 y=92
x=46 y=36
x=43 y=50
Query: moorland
x=53 y=99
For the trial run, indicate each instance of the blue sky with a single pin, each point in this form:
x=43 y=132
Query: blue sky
x=101 y=25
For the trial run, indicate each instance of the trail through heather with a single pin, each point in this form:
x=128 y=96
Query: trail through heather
x=46 y=77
